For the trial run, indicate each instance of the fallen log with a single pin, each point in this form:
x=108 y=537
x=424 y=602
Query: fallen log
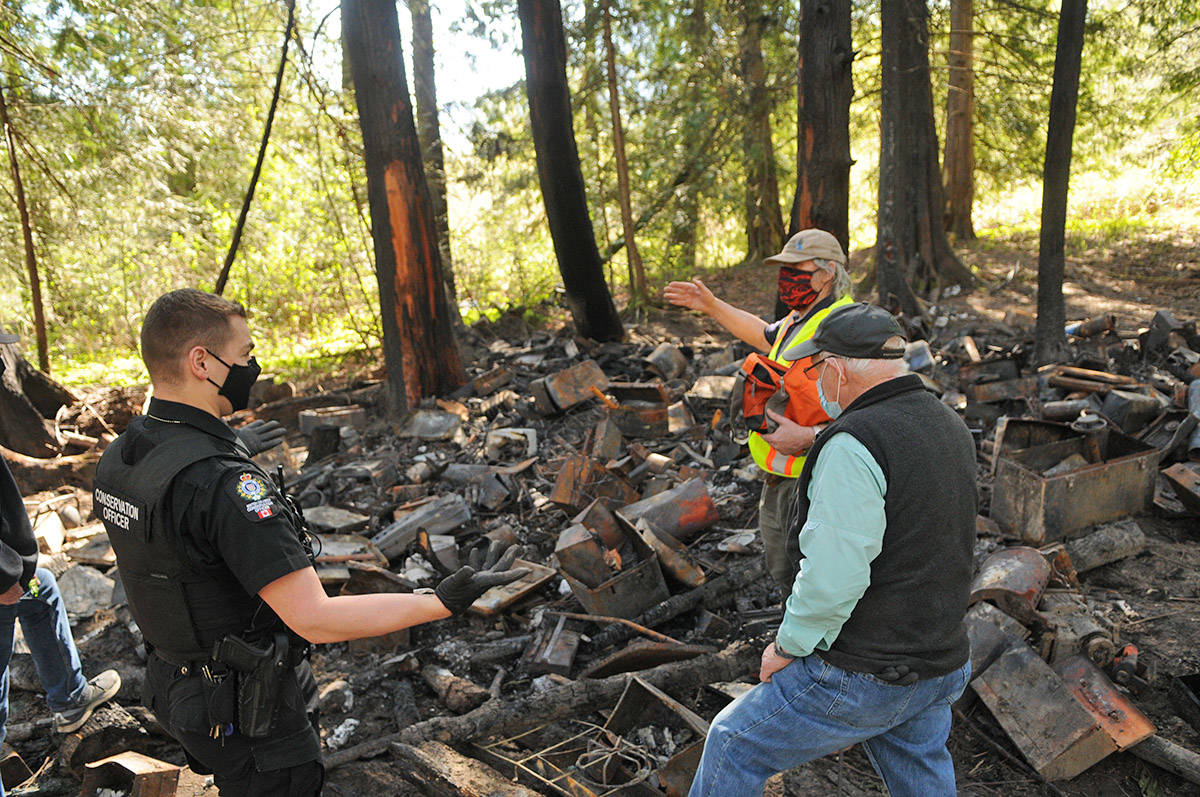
x=444 y=772
x=34 y=475
x=110 y=728
x=1167 y=755
x=577 y=698
x=712 y=594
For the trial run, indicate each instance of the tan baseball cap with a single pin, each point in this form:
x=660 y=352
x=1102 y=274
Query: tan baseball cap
x=807 y=244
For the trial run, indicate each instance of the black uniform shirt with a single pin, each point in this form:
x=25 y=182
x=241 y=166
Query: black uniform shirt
x=230 y=520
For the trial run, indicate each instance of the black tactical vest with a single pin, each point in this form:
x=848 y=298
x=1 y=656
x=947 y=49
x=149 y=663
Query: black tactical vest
x=161 y=586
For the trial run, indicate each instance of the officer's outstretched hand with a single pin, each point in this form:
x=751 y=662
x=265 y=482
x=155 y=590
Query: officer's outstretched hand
x=260 y=436
x=459 y=590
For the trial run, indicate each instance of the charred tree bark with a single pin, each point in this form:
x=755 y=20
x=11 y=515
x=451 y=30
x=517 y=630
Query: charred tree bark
x=912 y=254
x=418 y=347
x=559 y=173
x=958 y=168
x=764 y=220
x=637 y=274
x=499 y=718
x=823 y=120
x=429 y=131
x=31 y=266
x=1050 y=339
x=238 y=228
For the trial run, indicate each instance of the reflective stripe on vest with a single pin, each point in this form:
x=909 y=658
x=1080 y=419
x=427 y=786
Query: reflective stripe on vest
x=764 y=454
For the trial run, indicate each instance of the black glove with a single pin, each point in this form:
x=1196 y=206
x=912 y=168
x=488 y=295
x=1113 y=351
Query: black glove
x=260 y=436
x=459 y=590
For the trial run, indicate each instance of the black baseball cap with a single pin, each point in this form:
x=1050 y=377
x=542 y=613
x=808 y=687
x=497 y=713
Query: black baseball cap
x=860 y=331
x=8 y=337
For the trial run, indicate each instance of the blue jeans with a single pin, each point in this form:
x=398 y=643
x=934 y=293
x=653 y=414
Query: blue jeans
x=810 y=709
x=48 y=634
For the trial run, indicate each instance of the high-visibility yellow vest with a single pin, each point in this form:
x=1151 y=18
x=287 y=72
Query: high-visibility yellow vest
x=801 y=400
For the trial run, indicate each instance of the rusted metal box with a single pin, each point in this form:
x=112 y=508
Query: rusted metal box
x=1045 y=508
x=638 y=586
x=561 y=391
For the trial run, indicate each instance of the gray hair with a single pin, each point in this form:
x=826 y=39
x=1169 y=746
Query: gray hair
x=841 y=278
x=878 y=367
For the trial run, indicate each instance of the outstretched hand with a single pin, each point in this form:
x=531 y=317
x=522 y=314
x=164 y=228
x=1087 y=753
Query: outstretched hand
x=484 y=571
x=693 y=295
x=260 y=436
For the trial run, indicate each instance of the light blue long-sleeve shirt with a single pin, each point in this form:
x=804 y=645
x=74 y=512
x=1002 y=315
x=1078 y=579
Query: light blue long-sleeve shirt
x=841 y=537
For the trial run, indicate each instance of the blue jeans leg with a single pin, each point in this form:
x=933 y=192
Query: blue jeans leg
x=811 y=709
x=48 y=634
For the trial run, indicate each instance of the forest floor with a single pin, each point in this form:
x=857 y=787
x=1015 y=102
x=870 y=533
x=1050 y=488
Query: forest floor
x=1161 y=585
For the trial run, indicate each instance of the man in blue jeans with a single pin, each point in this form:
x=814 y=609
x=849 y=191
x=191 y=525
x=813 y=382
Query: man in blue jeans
x=872 y=647
x=30 y=594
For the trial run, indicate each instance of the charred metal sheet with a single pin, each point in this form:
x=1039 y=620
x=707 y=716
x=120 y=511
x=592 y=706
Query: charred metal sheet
x=607 y=442
x=649 y=392
x=137 y=774
x=1124 y=723
x=666 y=361
x=1042 y=509
x=553 y=649
x=597 y=518
x=993 y=370
x=1184 y=693
x=1013 y=579
x=672 y=555
x=641 y=419
x=582 y=480
x=581 y=555
x=682 y=511
x=1041 y=716
x=990 y=633
x=1184 y=479
x=562 y=391
x=497 y=599
x=642 y=655
x=990 y=392
x=490 y=382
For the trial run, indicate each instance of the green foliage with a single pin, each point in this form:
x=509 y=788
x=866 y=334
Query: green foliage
x=137 y=124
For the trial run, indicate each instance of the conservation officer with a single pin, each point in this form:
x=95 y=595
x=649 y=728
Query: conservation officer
x=216 y=570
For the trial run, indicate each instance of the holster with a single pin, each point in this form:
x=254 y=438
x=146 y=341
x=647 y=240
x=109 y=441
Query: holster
x=260 y=670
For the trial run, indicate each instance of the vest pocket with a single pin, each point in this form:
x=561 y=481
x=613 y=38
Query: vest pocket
x=166 y=621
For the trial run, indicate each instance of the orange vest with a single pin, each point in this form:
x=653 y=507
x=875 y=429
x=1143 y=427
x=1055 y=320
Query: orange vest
x=804 y=407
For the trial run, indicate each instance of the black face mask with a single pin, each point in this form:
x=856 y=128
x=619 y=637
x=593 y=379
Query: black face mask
x=237 y=384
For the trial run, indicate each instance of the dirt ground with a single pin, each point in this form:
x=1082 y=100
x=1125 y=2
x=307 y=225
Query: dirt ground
x=1161 y=586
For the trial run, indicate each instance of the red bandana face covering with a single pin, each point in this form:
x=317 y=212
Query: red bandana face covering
x=795 y=288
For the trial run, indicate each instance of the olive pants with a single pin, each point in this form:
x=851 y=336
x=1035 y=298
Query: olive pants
x=778 y=493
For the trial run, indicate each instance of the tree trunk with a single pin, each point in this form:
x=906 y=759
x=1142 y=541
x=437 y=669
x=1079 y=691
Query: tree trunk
x=764 y=220
x=559 y=173
x=958 y=170
x=912 y=254
x=1050 y=338
x=823 y=120
x=429 y=132
x=31 y=266
x=637 y=274
x=685 y=219
x=419 y=350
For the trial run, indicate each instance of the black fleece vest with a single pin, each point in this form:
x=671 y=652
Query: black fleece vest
x=912 y=611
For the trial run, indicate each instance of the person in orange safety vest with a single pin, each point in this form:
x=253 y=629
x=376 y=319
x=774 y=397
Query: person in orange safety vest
x=812 y=282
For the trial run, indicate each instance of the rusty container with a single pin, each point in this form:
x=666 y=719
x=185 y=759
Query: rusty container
x=1014 y=580
x=682 y=511
x=638 y=586
x=562 y=391
x=1044 y=508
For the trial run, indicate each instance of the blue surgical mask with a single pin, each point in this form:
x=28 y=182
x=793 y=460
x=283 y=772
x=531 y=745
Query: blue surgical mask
x=832 y=408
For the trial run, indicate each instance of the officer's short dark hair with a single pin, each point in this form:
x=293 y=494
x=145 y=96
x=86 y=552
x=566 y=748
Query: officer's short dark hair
x=179 y=320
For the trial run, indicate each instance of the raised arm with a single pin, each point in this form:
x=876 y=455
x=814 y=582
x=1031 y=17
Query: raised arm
x=695 y=295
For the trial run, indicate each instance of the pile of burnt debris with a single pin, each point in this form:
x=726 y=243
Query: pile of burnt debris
x=616 y=469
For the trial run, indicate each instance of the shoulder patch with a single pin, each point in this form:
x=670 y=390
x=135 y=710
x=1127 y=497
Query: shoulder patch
x=255 y=495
